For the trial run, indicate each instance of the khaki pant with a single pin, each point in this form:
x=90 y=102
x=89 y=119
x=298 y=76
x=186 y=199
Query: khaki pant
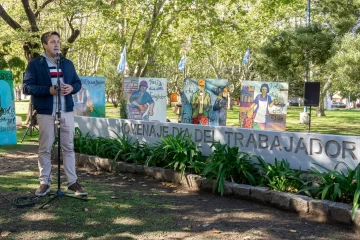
x=47 y=129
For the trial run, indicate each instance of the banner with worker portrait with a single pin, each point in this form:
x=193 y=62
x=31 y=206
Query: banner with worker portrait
x=204 y=101
x=146 y=98
x=7 y=109
x=263 y=105
x=90 y=100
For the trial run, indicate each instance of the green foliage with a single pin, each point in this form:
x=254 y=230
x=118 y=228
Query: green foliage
x=138 y=153
x=120 y=146
x=178 y=152
x=335 y=185
x=228 y=163
x=287 y=54
x=123 y=108
x=344 y=66
x=81 y=142
x=279 y=176
x=113 y=148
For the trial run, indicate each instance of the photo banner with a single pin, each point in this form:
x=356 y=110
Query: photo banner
x=7 y=109
x=146 y=98
x=90 y=100
x=263 y=105
x=204 y=101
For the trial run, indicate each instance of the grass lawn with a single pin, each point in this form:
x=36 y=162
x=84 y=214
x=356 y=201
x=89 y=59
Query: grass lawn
x=110 y=212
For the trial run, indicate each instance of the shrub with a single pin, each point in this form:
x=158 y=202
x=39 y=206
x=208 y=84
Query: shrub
x=279 y=176
x=335 y=185
x=228 y=163
x=177 y=152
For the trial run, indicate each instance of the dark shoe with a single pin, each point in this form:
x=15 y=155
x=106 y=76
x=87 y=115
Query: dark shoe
x=42 y=190
x=76 y=189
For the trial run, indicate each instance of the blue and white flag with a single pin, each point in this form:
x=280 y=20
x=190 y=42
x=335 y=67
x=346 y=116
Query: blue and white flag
x=247 y=56
x=182 y=62
x=122 y=62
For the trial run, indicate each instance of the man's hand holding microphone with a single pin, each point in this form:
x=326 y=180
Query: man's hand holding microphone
x=65 y=89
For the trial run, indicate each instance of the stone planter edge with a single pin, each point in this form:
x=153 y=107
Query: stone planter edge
x=322 y=210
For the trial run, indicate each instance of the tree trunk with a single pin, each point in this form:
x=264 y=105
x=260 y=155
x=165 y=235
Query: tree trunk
x=320 y=111
x=18 y=93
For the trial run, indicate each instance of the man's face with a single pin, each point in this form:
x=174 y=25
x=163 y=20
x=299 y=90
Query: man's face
x=225 y=92
x=143 y=89
x=201 y=87
x=52 y=46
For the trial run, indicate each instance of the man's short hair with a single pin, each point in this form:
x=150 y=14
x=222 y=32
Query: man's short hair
x=201 y=82
x=45 y=36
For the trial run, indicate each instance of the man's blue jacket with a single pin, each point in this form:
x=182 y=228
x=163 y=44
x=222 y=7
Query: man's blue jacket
x=37 y=82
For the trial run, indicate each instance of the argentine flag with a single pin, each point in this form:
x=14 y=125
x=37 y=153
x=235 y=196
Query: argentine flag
x=247 y=56
x=182 y=62
x=122 y=62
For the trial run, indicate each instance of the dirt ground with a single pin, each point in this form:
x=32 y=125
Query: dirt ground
x=206 y=216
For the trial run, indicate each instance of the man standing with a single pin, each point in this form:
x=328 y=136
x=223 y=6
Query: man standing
x=201 y=104
x=40 y=81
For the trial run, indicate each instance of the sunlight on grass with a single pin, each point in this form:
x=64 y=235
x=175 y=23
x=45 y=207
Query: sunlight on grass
x=35 y=216
x=127 y=221
x=19 y=181
x=25 y=173
x=91 y=222
x=111 y=204
x=50 y=235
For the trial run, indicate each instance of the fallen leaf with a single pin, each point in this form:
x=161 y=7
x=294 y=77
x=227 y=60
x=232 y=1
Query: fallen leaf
x=144 y=185
x=292 y=230
x=132 y=180
x=124 y=177
x=185 y=218
x=217 y=210
x=186 y=229
x=216 y=230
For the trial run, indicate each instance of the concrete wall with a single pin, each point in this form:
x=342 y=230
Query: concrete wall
x=300 y=149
